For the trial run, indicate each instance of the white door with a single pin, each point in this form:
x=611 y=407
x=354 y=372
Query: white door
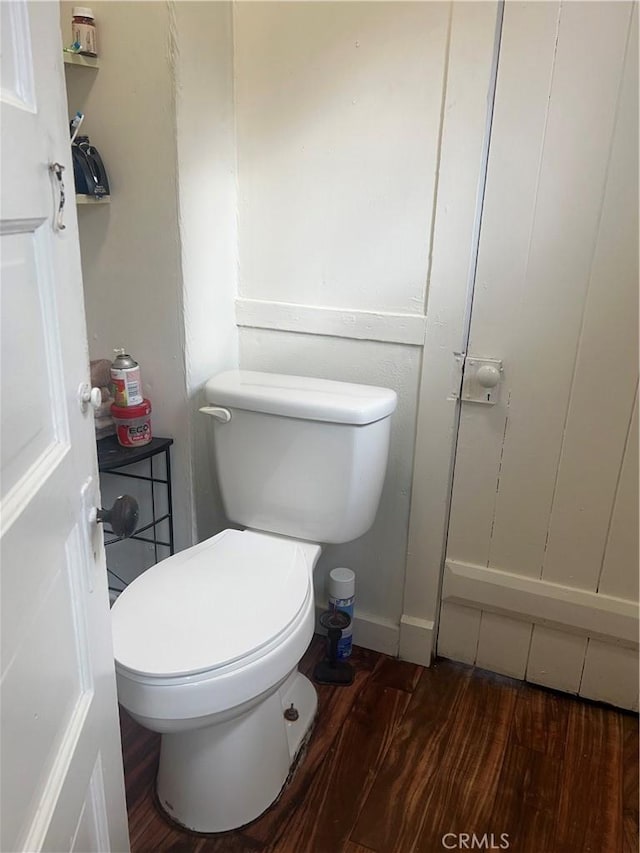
x=62 y=782
x=541 y=574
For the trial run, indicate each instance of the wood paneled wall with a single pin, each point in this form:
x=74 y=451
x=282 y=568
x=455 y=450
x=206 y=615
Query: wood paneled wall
x=545 y=483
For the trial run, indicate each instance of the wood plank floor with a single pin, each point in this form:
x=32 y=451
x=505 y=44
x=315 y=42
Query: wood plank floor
x=406 y=755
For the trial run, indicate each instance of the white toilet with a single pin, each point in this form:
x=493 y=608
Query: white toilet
x=207 y=642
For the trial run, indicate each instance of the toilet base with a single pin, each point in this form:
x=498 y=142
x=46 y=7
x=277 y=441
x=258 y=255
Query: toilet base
x=223 y=776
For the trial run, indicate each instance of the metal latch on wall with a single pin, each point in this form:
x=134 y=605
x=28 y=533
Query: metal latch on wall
x=478 y=379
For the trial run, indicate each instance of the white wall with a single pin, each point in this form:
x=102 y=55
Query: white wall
x=378 y=556
x=131 y=260
x=465 y=135
x=346 y=227
x=159 y=261
x=338 y=110
x=207 y=212
x=338 y=113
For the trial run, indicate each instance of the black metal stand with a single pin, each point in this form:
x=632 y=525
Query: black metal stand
x=332 y=670
x=112 y=458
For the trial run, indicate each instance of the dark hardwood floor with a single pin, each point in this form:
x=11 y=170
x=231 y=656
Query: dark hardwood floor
x=406 y=755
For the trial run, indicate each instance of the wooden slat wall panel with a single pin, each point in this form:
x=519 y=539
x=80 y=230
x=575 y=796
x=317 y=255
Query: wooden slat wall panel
x=503 y=644
x=471 y=49
x=556 y=659
x=458 y=632
x=522 y=94
x=578 y=136
x=610 y=674
x=577 y=611
x=620 y=565
x=606 y=370
x=594 y=437
x=550 y=300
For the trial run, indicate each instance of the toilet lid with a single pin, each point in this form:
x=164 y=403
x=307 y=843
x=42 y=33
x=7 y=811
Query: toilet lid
x=210 y=605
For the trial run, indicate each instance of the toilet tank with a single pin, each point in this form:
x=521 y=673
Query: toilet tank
x=302 y=457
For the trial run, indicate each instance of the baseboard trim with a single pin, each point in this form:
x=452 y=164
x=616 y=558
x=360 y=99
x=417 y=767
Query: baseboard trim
x=370 y=632
x=335 y=322
x=417 y=640
x=576 y=611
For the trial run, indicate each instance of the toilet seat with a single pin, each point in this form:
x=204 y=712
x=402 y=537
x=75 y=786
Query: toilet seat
x=212 y=605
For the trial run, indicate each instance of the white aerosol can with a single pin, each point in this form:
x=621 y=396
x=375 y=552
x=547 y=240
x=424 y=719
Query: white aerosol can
x=342 y=593
x=125 y=380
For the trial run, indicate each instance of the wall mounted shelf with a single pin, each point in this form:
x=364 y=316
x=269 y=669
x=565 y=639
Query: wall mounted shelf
x=91 y=199
x=82 y=61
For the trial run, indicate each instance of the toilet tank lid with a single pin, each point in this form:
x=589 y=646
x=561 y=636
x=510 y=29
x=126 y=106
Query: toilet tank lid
x=301 y=397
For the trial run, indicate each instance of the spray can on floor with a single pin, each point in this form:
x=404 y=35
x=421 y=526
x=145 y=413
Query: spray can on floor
x=125 y=380
x=342 y=592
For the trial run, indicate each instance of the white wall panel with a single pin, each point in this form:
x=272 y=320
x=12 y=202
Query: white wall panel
x=378 y=557
x=503 y=644
x=550 y=605
x=338 y=119
x=131 y=262
x=570 y=188
x=458 y=632
x=332 y=322
x=556 y=659
x=543 y=484
x=207 y=180
x=620 y=565
x=596 y=428
x=610 y=675
x=525 y=73
x=338 y=109
x=465 y=137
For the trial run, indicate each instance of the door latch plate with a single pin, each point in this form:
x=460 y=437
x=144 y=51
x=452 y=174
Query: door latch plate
x=482 y=380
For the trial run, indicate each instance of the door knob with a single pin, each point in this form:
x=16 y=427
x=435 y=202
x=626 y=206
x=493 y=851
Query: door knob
x=89 y=396
x=481 y=380
x=123 y=516
x=488 y=376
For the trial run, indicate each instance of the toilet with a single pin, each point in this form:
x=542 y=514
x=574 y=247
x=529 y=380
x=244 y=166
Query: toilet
x=207 y=642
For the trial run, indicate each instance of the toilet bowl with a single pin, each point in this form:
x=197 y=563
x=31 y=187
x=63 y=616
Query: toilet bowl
x=206 y=645
x=207 y=642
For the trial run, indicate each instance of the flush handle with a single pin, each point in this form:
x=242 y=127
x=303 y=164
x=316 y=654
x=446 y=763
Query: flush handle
x=123 y=516
x=217 y=412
